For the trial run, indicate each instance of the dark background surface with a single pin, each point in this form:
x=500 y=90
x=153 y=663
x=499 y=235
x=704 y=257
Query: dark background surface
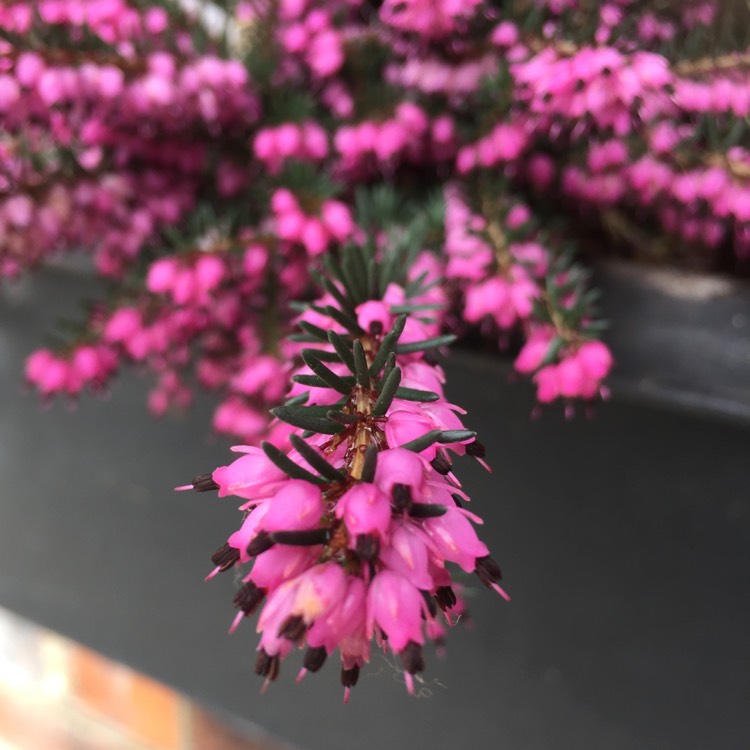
x=624 y=541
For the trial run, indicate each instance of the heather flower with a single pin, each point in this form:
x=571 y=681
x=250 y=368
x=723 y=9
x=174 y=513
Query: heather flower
x=349 y=531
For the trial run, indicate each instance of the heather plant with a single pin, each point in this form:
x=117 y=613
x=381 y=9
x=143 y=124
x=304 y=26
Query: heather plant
x=349 y=531
x=208 y=155
x=222 y=164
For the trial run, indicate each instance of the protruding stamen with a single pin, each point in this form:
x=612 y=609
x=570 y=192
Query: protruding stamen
x=430 y=602
x=500 y=591
x=248 y=597
x=488 y=570
x=409 y=680
x=476 y=449
x=445 y=597
x=238 y=618
x=204 y=483
x=349 y=677
x=441 y=464
x=267 y=665
x=412 y=658
x=315 y=658
x=293 y=628
x=367 y=547
x=401 y=494
x=225 y=557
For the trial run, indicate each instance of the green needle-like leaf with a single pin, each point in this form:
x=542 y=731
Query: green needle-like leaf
x=340 y=344
x=421 y=346
x=298 y=400
x=456 y=436
x=423 y=441
x=300 y=416
x=347 y=320
x=405 y=309
x=313 y=381
x=415 y=394
x=427 y=510
x=388 y=390
x=315 y=459
x=323 y=355
x=360 y=365
x=313 y=330
x=390 y=363
x=387 y=345
x=325 y=373
x=334 y=291
x=295 y=471
x=371 y=463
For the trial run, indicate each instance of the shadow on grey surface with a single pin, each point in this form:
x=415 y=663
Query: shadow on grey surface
x=624 y=542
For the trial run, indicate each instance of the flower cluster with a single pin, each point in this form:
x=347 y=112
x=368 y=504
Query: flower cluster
x=210 y=158
x=349 y=530
x=512 y=280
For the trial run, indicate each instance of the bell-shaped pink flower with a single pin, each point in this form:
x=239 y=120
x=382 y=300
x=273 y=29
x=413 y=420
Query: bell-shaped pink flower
x=162 y=275
x=400 y=466
x=595 y=359
x=535 y=349
x=365 y=509
x=547 y=384
x=343 y=620
x=455 y=540
x=570 y=377
x=280 y=563
x=248 y=531
x=395 y=606
x=407 y=554
x=337 y=219
x=297 y=505
x=405 y=425
x=251 y=476
x=374 y=312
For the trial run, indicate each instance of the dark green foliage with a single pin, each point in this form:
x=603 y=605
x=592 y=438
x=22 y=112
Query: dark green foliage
x=360 y=365
x=387 y=346
x=324 y=373
x=315 y=460
x=388 y=389
x=304 y=418
x=295 y=471
x=422 y=346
